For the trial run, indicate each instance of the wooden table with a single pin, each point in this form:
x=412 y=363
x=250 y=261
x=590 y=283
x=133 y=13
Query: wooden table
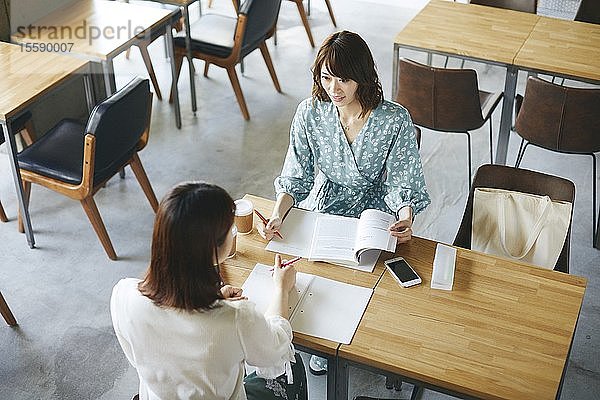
x=486 y=34
x=27 y=77
x=503 y=332
x=564 y=48
x=251 y=250
x=99 y=30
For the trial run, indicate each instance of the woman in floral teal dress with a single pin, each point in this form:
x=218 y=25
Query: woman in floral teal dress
x=349 y=148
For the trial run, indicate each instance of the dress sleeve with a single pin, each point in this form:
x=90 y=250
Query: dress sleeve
x=404 y=183
x=297 y=175
x=266 y=342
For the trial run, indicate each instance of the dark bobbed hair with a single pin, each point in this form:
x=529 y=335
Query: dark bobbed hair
x=346 y=55
x=192 y=221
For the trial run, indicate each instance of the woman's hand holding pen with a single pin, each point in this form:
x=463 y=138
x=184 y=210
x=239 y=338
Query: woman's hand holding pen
x=402 y=229
x=268 y=230
x=284 y=276
x=232 y=293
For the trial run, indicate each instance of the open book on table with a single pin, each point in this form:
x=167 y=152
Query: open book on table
x=319 y=306
x=352 y=242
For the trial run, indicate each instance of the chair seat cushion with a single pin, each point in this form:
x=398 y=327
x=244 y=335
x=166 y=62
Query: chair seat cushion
x=212 y=34
x=59 y=155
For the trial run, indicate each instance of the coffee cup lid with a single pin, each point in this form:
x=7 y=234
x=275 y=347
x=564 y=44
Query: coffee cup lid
x=243 y=207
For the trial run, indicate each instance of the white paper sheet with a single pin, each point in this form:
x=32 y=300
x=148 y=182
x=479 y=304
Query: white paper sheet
x=320 y=307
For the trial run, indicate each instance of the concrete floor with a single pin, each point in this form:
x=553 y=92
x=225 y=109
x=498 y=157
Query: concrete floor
x=65 y=348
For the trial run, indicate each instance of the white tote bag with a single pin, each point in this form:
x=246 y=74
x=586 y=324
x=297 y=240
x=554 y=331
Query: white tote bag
x=520 y=226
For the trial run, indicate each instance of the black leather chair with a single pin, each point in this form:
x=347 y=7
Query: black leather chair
x=76 y=160
x=21 y=124
x=225 y=41
x=446 y=100
x=520 y=180
x=588 y=11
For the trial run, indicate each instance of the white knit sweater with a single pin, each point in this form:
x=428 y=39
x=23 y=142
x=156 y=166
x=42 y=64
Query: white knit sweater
x=200 y=354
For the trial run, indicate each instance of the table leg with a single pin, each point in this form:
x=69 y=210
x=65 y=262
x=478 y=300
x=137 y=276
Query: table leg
x=188 y=47
x=510 y=87
x=14 y=166
x=341 y=380
x=89 y=91
x=171 y=52
x=108 y=71
x=395 y=71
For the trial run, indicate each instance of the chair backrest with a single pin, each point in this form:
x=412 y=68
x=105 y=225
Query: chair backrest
x=588 y=11
x=118 y=123
x=261 y=18
x=439 y=98
x=529 y=6
x=520 y=180
x=560 y=118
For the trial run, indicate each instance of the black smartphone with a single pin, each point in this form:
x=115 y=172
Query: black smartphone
x=402 y=272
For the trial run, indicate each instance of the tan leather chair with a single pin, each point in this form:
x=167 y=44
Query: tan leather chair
x=561 y=119
x=520 y=180
x=446 y=100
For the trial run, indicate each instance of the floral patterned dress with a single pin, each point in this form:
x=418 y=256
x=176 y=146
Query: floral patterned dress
x=380 y=169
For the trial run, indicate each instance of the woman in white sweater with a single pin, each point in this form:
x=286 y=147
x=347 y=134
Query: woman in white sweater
x=187 y=335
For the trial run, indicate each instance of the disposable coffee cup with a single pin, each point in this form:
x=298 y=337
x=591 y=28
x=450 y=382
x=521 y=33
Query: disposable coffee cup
x=234 y=232
x=243 y=216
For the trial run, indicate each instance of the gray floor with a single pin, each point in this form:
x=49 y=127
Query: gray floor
x=64 y=347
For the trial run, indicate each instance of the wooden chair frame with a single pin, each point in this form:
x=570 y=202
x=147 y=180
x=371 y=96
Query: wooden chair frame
x=6 y=313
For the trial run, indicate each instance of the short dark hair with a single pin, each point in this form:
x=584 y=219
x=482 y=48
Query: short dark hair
x=192 y=221
x=346 y=55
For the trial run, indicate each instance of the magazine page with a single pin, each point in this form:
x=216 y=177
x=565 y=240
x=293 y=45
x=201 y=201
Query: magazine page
x=333 y=239
x=297 y=232
x=373 y=232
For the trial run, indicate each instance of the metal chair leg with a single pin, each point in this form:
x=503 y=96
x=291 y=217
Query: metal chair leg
x=491 y=143
x=469 y=143
x=594 y=227
x=521 y=152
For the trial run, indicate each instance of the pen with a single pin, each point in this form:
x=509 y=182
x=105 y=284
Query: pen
x=265 y=221
x=285 y=264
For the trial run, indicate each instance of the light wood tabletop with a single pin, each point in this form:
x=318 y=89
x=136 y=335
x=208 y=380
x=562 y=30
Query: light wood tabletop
x=562 y=47
x=27 y=76
x=251 y=250
x=490 y=34
x=99 y=29
x=503 y=332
